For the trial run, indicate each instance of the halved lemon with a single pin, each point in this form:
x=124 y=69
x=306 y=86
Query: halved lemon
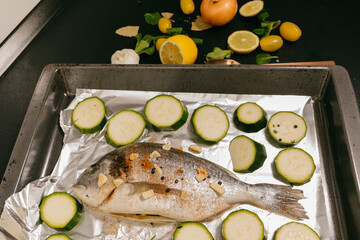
x=178 y=49
x=251 y=8
x=243 y=41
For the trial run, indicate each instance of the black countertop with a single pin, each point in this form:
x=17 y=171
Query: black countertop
x=84 y=32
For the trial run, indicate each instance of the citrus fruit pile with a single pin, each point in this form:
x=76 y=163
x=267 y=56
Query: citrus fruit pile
x=245 y=42
x=177 y=48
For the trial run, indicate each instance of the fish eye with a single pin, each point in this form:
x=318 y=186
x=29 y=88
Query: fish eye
x=93 y=168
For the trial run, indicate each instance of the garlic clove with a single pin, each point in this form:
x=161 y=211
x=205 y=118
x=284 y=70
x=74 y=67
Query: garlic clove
x=125 y=56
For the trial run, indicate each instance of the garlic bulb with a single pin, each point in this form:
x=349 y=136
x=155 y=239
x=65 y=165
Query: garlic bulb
x=125 y=56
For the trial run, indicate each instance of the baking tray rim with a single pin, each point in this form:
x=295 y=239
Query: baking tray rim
x=349 y=111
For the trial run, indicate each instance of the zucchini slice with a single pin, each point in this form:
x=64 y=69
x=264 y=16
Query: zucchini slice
x=166 y=112
x=295 y=230
x=125 y=127
x=243 y=225
x=287 y=128
x=250 y=117
x=246 y=154
x=210 y=123
x=295 y=165
x=192 y=231
x=89 y=115
x=60 y=210
x=58 y=236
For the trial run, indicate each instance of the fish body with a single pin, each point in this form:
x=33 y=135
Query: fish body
x=119 y=184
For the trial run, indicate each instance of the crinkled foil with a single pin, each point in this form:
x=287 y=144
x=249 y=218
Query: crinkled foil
x=20 y=217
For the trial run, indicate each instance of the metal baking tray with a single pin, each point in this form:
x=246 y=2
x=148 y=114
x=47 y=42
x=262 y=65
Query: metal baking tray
x=335 y=112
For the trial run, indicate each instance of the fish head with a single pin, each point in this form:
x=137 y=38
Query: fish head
x=96 y=183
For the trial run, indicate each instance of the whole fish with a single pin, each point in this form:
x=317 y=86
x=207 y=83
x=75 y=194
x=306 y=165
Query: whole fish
x=134 y=181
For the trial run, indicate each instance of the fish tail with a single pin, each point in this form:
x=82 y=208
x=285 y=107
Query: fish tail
x=282 y=200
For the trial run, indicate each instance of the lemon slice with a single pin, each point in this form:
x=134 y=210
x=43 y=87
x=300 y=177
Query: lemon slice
x=243 y=41
x=178 y=49
x=251 y=8
x=170 y=53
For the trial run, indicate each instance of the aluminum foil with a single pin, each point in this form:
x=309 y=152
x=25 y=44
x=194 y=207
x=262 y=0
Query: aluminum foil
x=20 y=217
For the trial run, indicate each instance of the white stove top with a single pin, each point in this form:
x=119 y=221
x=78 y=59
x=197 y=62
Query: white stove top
x=12 y=12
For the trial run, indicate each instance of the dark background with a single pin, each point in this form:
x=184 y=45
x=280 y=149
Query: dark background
x=83 y=31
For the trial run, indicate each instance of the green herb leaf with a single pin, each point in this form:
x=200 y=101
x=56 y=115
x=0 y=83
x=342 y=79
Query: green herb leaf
x=198 y=41
x=276 y=24
x=266 y=25
x=148 y=38
x=272 y=24
x=140 y=46
x=138 y=37
x=269 y=26
x=218 y=53
x=143 y=44
x=149 y=51
x=264 y=58
x=263 y=15
x=174 y=31
x=260 y=31
x=152 y=18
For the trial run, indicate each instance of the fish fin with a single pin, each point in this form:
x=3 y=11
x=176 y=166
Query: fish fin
x=93 y=196
x=282 y=200
x=145 y=218
x=230 y=173
x=135 y=217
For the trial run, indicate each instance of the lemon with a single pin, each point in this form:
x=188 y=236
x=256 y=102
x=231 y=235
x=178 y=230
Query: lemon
x=164 y=24
x=187 y=6
x=290 y=31
x=159 y=43
x=271 y=43
x=243 y=41
x=251 y=8
x=178 y=49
